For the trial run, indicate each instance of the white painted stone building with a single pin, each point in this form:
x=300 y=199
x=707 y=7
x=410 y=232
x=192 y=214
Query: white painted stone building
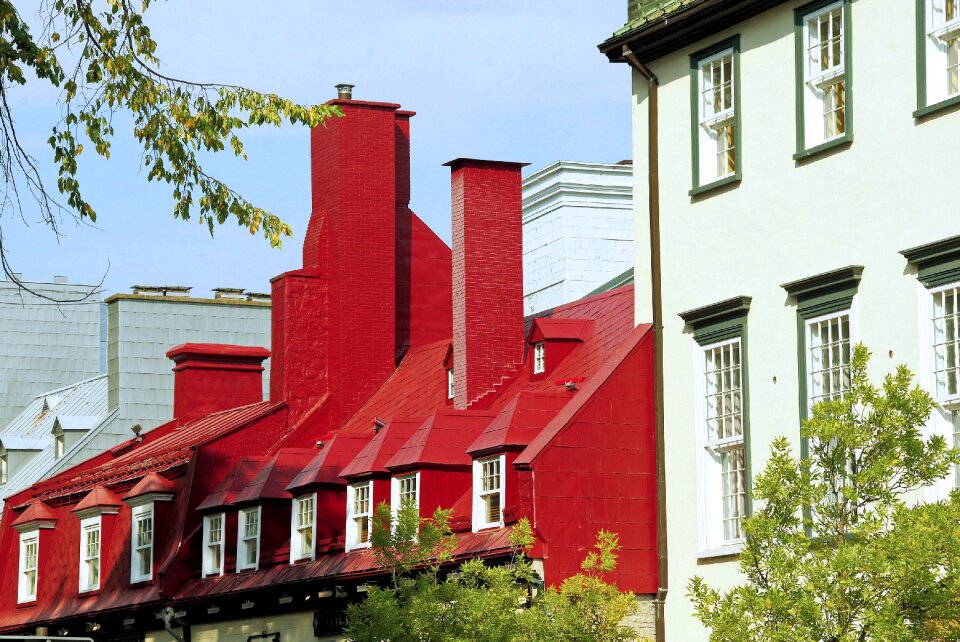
x=791 y=210
x=577 y=230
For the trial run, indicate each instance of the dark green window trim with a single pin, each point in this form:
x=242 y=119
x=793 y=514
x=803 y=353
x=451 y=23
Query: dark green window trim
x=695 y=58
x=720 y=322
x=803 y=152
x=923 y=109
x=818 y=295
x=938 y=263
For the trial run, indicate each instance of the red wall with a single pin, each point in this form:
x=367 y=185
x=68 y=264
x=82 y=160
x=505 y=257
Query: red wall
x=602 y=468
x=442 y=488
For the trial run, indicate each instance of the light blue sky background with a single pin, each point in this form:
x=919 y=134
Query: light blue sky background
x=517 y=80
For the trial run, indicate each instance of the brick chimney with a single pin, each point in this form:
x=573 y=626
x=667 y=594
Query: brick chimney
x=211 y=377
x=487 y=275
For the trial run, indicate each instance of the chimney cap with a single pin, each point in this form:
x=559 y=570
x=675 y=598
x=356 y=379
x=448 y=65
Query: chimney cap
x=345 y=91
x=186 y=351
x=457 y=162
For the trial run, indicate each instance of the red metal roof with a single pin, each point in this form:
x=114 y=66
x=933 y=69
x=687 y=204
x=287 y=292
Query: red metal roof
x=325 y=467
x=520 y=421
x=239 y=477
x=152 y=483
x=36 y=512
x=380 y=448
x=441 y=439
x=562 y=329
x=271 y=482
x=99 y=497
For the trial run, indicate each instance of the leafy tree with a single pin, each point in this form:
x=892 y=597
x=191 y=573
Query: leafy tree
x=480 y=602
x=102 y=57
x=835 y=553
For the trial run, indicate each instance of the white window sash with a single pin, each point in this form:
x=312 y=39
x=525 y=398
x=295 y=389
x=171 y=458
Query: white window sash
x=480 y=520
x=812 y=367
x=138 y=552
x=244 y=541
x=297 y=549
x=213 y=549
x=714 y=118
x=28 y=569
x=450 y=384
x=355 y=517
x=539 y=358
x=87 y=527
x=812 y=42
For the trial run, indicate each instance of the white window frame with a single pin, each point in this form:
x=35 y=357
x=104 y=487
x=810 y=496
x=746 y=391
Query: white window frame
x=213 y=560
x=354 y=517
x=853 y=339
x=539 y=357
x=712 y=539
x=945 y=399
x=24 y=595
x=818 y=83
x=396 y=484
x=942 y=34
x=87 y=526
x=479 y=495
x=137 y=514
x=243 y=539
x=451 y=389
x=297 y=549
x=714 y=124
x=4 y=468
x=59 y=445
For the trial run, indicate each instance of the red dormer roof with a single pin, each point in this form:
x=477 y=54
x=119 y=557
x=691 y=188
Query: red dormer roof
x=271 y=482
x=441 y=440
x=152 y=483
x=545 y=329
x=374 y=456
x=37 y=513
x=325 y=467
x=239 y=477
x=520 y=421
x=100 y=497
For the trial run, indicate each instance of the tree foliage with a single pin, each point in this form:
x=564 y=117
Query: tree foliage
x=835 y=552
x=102 y=57
x=481 y=602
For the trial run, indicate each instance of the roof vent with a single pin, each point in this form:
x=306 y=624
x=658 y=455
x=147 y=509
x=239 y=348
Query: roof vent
x=378 y=425
x=59 y=278
x=162 y=290
x=263 y=297
x=345 y=91
x=227 y=293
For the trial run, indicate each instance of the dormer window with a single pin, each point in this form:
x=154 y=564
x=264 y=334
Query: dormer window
x=4 y=463
x=29 y=557
x=213 y=545
x=248 y=538
x=58 y=446
x=141 y=543
x=539 y=358
x=450 y=388
x=90 y=554
x=488 y=492
x=405 y=491
x=304 y=526
x=359 y=514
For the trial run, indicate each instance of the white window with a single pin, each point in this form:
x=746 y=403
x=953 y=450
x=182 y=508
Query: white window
x=539 y=358
x=359 y=514
x=946 y=343
x=90 y=554
x=825 y=75
x=141 y=543
x=29 y=558
x=723 y=480
x=3 y=468
x=58 y=445
x=248 y=538
x=717 y=105
x=450 y=388
x=405 y=490
x=829 y=347
x=942 y=49
x=213 y=545
x=488 y=488
x=303 y=526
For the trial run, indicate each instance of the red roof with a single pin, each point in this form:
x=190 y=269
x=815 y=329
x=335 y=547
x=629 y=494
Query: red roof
x=239 y=477
x=152 y=483
x=36 y=512
x=271 y=482
x=325 y=467
x=441 y=439
x=562 y=329
x=374 y=456
x=520 y=421
x=99 y=497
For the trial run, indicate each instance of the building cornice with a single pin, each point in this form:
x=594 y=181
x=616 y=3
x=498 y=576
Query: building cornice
x=938 y=250
x=845 y=277
x=737 y=306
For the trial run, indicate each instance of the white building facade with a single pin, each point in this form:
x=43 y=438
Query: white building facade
x=795 y=219
x=577 y=230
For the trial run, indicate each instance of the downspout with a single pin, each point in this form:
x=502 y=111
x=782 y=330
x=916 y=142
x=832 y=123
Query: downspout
x=653 y=193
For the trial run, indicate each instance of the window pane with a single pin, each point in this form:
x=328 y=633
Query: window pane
x=733 y=492
x=723 y=400
x=946 y=341
x=829 y=358
x=493 y=507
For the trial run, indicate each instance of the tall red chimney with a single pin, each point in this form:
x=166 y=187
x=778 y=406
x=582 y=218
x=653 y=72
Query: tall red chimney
x=212 y=377
x=487 y=275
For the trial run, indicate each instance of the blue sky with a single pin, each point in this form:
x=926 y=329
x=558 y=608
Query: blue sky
x=498 y=79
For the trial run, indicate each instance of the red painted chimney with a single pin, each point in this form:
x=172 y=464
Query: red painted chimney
x=211 y=377
x=487 y=275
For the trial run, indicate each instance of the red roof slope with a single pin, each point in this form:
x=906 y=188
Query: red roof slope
x=441 y=439
x=99 y=497
x=325 y=467
x=271 y=482
x=520 y=421
x=36 y=512
x=383 y=445
x=239 y=477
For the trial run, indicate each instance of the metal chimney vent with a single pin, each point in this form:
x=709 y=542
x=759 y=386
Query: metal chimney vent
x=345 y=91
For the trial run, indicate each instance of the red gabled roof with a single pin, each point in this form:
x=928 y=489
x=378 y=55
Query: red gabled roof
x=99 y=497
x=271 y=482
x=239 y=477
x=520 y=421
x=151 y=483
x=165 y=453
x=545 y=328
x=36 y=512
x=441 y=440
x=325 y=467
x=383 y=445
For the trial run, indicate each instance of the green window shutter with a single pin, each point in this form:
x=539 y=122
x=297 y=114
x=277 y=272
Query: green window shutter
x=938 y=263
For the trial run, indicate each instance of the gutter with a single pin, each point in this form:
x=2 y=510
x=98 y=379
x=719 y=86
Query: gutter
x=653 y=204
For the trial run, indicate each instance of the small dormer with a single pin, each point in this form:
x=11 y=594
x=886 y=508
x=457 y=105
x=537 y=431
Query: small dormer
x=448 y=374
x=68 y=430
x=551 y=340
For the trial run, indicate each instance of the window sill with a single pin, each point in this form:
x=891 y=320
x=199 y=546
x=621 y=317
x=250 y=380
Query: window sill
x=709 y=187
x=94 y=592
x=358 y=547
x=141 y=583
x=845 y=140
x=931 y=109
x=951 y=404
x=27 y=605
x=722 y=551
